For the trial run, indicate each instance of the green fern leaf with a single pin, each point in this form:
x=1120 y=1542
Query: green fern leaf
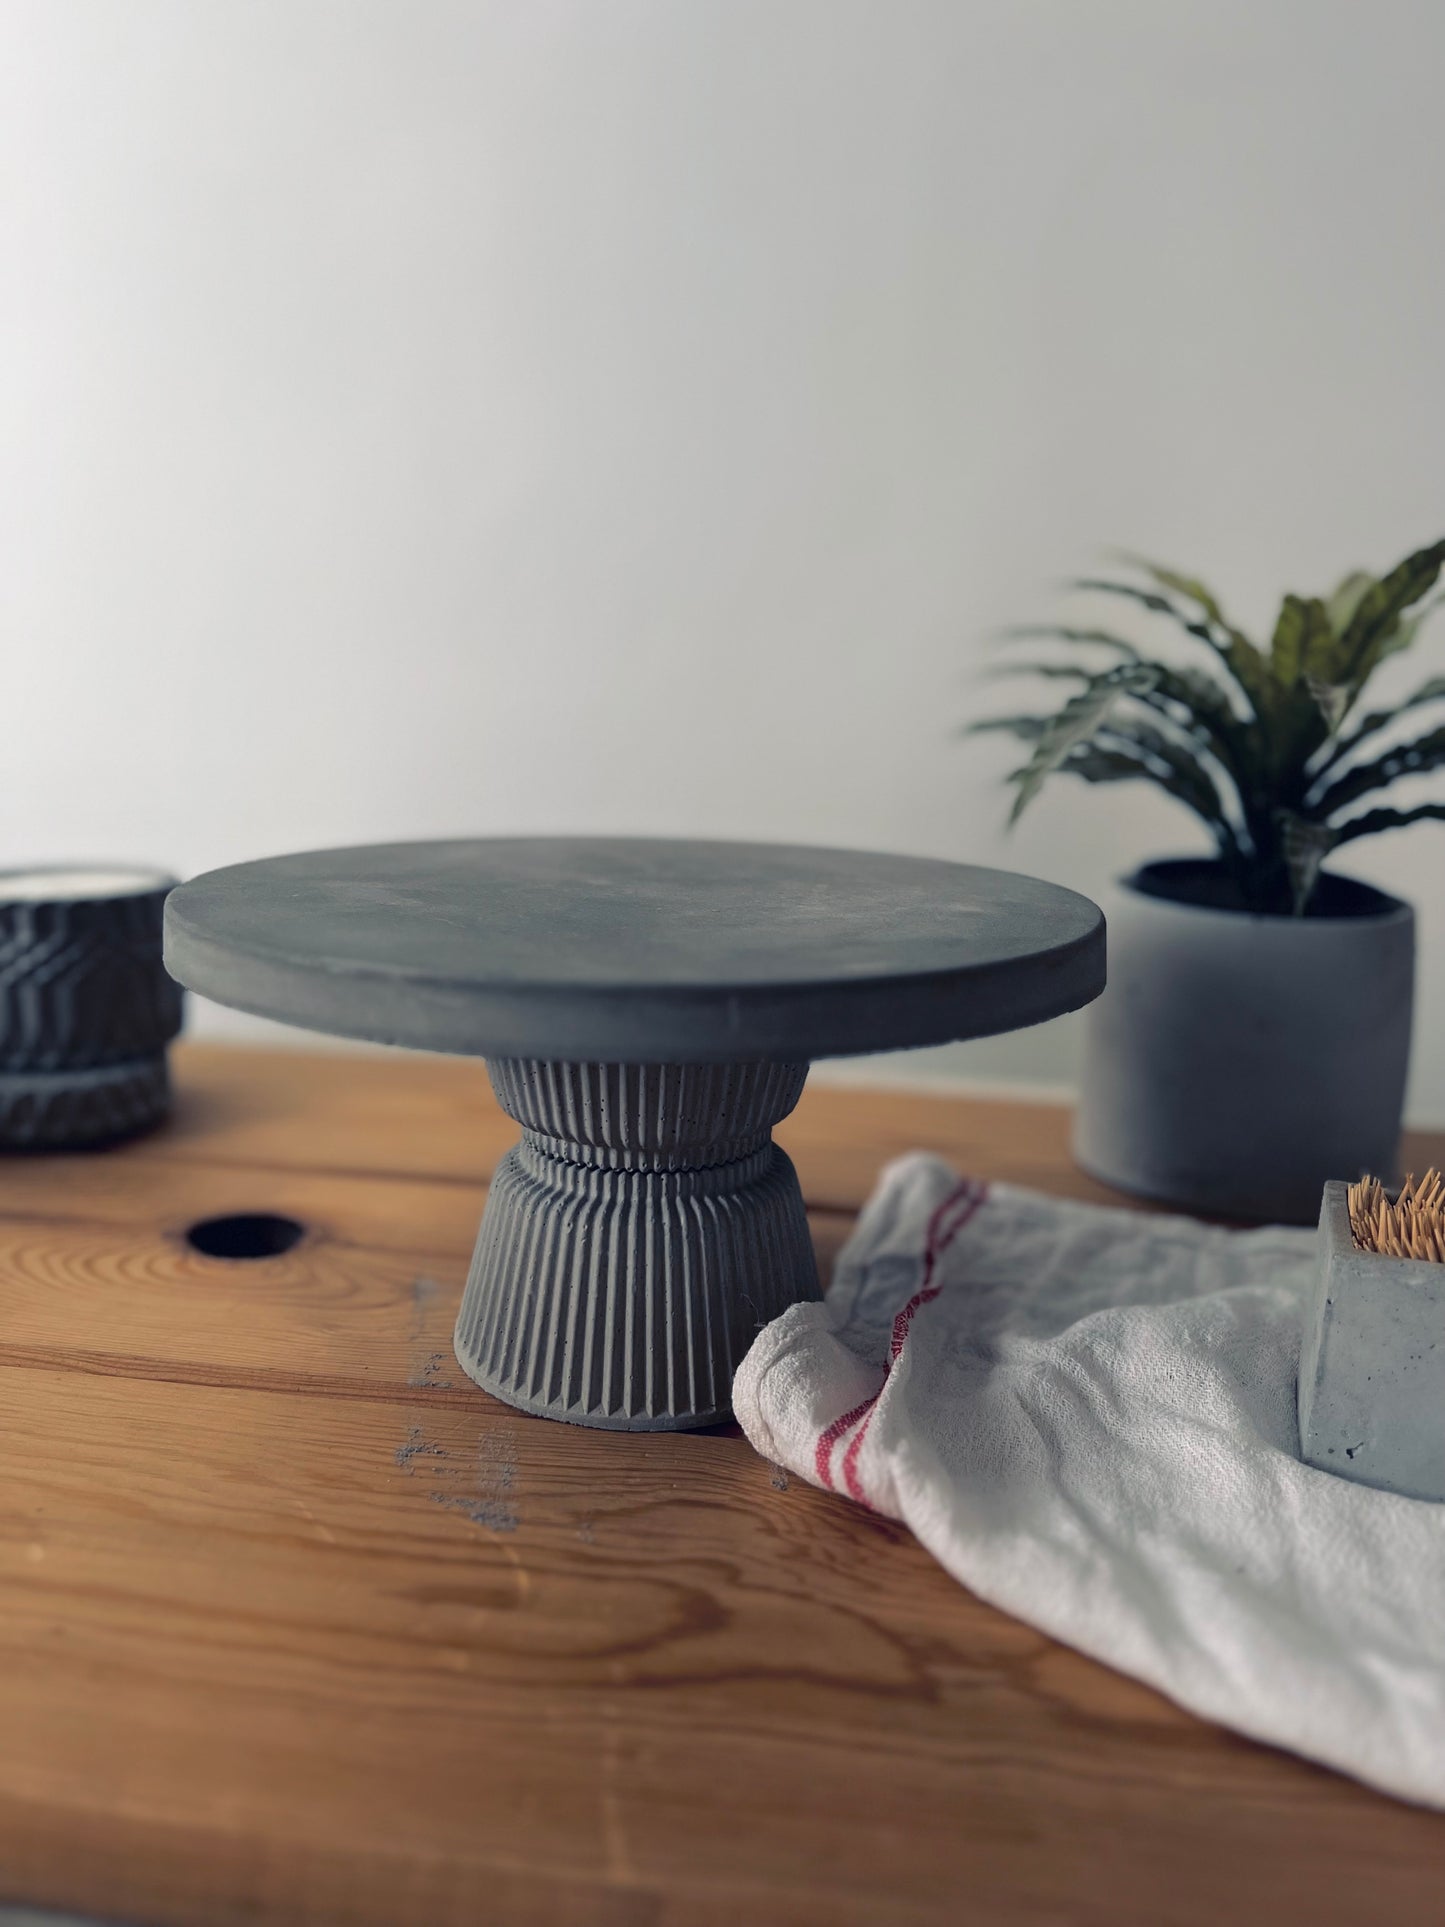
x=1372 y=628
x=1403 y=635
x=1096 y=763
x=1075 y=723
x=1304 y=845
x=1303 y=642
x=1417 y=758
x=1332 y=699
x=1177 y=767
x=1058 y=632
x=1028 y=729
x=1245 y=662
x=1375 y=821
x=1374 y=720
x=1049 y=671
x=1342 y=603
x=1190 y=587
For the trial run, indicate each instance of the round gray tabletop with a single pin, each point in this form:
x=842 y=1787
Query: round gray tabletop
x=635 y=950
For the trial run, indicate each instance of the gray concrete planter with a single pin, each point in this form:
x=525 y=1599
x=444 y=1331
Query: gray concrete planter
x=86 y=1007
x=1236 y=1063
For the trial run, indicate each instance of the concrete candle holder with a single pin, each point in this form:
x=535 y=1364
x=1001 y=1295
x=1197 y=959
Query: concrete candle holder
x=1372 y=1364
x=86 y=1007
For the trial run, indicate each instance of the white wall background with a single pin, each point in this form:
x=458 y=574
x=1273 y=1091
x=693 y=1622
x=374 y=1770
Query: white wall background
x=427 y=418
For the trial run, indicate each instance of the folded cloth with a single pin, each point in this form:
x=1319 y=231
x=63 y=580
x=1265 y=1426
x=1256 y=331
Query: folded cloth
x=1088 y=1417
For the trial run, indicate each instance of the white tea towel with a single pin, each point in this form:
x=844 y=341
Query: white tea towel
x=1088 y=1416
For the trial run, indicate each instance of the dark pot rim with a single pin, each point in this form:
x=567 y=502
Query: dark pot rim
x=1348 y=900
x=130 y=880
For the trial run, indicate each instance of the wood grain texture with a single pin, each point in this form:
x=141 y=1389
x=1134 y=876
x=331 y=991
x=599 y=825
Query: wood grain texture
x=296 y=1626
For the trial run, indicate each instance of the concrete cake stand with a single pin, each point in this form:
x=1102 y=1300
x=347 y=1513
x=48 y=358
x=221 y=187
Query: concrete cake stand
x=648 y=1011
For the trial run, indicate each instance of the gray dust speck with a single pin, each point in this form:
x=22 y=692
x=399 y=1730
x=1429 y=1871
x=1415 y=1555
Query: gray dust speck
x=416 y=1446
x=490 y=1513
x=493 y=1503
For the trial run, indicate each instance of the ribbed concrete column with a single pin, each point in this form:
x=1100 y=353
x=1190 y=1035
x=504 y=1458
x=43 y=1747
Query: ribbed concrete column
x=635 y=1240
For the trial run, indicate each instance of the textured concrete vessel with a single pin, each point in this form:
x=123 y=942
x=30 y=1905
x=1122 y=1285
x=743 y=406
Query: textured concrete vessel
x=86 y=1007
x=636 y=1240
x=1372 y=1363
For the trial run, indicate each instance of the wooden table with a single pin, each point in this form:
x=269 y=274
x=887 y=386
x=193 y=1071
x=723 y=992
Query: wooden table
x=295 y=1625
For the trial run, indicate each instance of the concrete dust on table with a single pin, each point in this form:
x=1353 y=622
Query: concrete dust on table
x=483 y=1486
x=493 y=1502
x=414 y=1446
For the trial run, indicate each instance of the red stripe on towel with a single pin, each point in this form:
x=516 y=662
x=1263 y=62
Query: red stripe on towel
x=829 y=1437
x=969 y=1204
x=947 y=1220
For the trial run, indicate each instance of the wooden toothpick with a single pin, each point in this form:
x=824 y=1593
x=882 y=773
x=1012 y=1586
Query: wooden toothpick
x=1409 y=1225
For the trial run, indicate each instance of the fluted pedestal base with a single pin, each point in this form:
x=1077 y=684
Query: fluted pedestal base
x=635 y=1241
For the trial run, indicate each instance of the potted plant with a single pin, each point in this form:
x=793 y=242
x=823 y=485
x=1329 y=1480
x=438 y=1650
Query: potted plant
x=86 y=1006
x=1255 y=1035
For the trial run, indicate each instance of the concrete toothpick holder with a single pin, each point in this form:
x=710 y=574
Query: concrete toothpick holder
x=1372 y=1363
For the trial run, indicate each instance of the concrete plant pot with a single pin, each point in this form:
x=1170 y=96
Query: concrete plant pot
x=86 y=1007
x=1236 y=1062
